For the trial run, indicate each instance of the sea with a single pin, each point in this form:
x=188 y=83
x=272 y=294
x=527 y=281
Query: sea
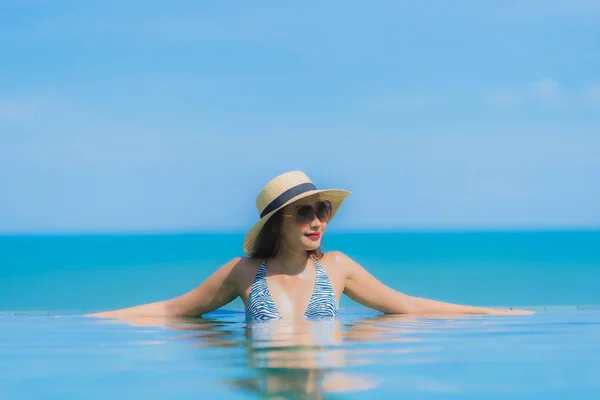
x=95 y=272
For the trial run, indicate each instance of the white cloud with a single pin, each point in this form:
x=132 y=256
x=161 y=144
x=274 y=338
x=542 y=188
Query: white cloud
x=544 y=89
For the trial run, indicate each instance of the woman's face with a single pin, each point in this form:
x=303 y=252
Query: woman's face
x=303 y=235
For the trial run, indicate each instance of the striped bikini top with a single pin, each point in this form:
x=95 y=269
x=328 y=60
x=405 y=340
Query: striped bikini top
x=261 y=307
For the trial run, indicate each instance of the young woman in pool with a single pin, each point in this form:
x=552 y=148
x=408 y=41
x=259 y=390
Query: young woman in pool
x=287 y=276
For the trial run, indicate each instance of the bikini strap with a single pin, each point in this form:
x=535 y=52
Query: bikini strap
x=316 y=261
x=260 y=272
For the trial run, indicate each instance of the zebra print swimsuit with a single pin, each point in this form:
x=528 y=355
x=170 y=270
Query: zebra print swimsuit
x=261 y=307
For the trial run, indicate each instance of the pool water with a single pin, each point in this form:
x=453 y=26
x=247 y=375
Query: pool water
x=553 y=354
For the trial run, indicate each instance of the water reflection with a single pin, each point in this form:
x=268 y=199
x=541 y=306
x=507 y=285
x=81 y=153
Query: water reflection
x=308 y=359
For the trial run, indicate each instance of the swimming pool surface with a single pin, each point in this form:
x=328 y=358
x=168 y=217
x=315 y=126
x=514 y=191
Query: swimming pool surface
x=553 y=354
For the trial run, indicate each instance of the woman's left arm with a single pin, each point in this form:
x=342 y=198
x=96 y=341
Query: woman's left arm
x=364 y=288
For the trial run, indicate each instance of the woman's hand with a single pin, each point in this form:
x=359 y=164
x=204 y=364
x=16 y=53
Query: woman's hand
x=493 y=311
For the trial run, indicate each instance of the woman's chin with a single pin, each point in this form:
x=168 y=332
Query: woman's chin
x=310 y=244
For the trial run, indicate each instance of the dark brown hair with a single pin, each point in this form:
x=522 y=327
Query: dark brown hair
x=268 y=240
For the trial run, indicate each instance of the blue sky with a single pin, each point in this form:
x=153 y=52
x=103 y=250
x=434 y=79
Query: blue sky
x=171 y=116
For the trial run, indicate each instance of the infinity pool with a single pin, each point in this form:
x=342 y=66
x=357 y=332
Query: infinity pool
x=554 y=354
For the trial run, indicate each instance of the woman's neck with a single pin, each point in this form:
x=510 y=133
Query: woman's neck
x=289 y=261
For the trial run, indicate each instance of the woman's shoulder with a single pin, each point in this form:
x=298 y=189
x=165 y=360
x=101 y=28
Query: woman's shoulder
x=240 y=270
x=240 y=266
x=244 y=265
x=336 y=258
x=244 y=262
x=337 y=264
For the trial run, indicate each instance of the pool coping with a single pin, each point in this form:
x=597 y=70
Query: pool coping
x=4 y=313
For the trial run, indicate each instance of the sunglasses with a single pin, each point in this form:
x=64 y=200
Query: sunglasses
x=306 y=214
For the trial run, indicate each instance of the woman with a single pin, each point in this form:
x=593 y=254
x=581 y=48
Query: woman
x=287 y=276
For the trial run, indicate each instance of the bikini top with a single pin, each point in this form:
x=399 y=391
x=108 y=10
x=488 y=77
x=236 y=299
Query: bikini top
x=261 y=307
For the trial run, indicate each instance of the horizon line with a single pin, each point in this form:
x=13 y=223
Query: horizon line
x=182 y=232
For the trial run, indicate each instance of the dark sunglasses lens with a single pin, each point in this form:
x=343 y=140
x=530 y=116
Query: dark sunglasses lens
x=305 y=214
x=324 y=211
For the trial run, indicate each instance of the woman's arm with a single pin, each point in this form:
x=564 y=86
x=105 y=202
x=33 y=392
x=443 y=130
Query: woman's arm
x=216 y=291
x=364 y=288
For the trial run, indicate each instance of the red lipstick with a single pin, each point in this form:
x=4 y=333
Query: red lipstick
x=313 y=236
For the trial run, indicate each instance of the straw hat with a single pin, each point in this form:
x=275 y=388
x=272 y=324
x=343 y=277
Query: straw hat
x=283 y=190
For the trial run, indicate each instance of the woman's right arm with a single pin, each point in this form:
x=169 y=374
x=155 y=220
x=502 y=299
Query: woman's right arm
x=218 y=290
